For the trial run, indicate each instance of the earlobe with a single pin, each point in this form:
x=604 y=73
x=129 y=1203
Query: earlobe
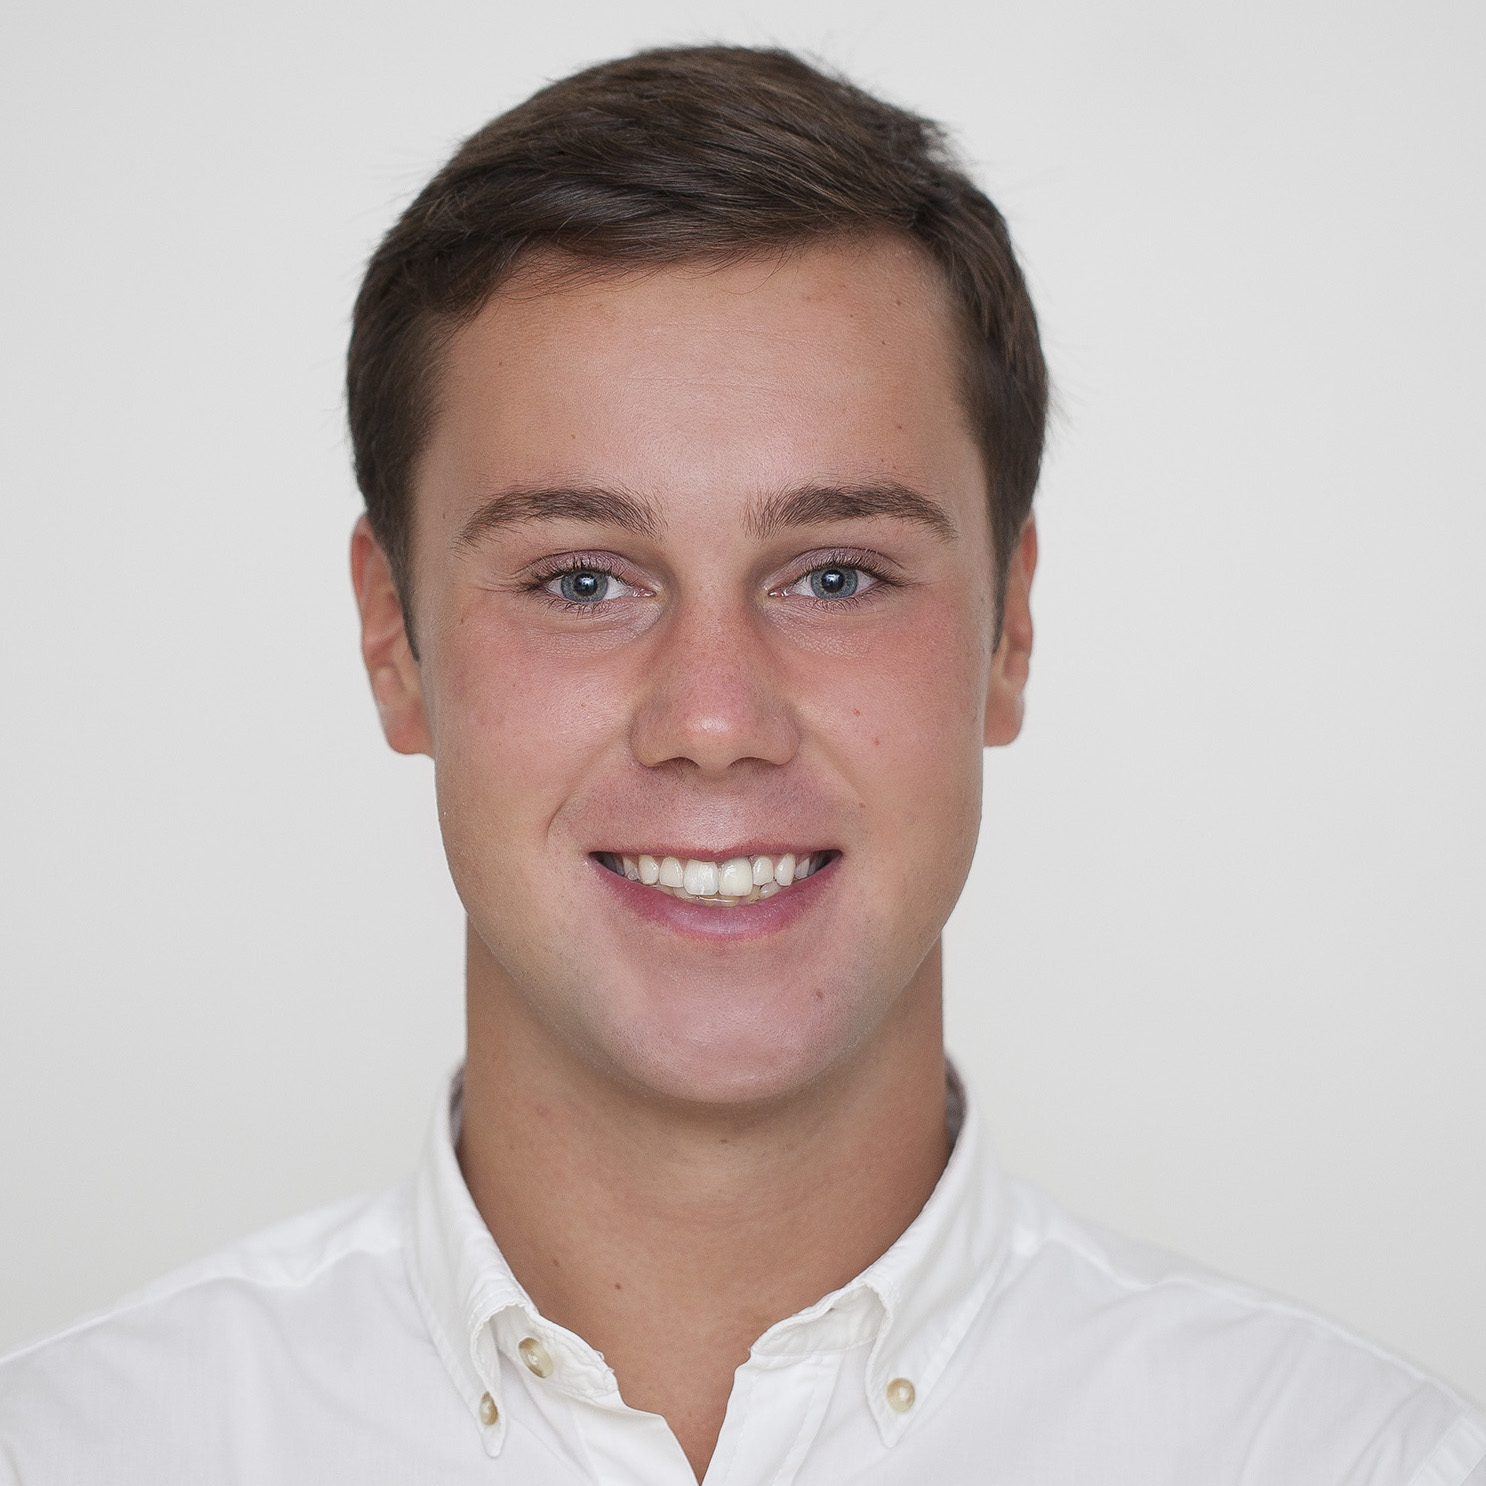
x=395 y=682
x=1010 y=665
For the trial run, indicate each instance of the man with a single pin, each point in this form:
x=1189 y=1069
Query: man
x=698 y=407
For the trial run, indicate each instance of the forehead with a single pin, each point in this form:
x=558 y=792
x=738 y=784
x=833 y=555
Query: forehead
x=698 y=383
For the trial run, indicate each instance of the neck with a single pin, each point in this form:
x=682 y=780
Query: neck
x=670 y=1238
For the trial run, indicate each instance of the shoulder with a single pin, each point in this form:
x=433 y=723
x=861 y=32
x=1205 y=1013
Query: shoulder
x=1164 y=1340
x=295 y=1255
x=270 y=1314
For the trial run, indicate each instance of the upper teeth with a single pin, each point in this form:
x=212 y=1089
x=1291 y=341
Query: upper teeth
x=736 y=880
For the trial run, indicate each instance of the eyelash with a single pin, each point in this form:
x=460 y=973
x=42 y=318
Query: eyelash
x=544 y=573
x=858 y=561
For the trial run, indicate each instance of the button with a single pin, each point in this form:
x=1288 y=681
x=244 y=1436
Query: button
x=900 y=1395
x=539 y=1359
x=489 y=1414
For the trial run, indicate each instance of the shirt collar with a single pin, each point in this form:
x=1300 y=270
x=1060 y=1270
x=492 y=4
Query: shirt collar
x=913 y=1305
x=919 y=1299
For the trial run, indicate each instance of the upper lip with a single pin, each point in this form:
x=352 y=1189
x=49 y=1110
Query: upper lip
x=772 y=847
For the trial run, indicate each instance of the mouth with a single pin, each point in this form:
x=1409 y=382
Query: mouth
x=725 y=884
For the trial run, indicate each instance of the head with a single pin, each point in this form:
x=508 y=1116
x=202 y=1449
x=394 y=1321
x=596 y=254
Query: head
x=698 y=407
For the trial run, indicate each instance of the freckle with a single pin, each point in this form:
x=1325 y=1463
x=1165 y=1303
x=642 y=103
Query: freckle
x=856 y=711
x=617 y=1285
x=877 y=742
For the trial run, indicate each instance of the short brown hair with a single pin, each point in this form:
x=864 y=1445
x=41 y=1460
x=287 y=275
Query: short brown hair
x=670 y=155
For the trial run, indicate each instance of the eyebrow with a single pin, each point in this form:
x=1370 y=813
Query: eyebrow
x=564 y=503
x=807 y=505
x=816 y=505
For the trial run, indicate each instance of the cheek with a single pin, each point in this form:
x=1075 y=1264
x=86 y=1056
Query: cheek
x=515 y=727
x=906 y=724
x=908 y=708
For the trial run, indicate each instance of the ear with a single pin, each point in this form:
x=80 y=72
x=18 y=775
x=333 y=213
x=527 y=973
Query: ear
x=395 y=681
x=1005 y=697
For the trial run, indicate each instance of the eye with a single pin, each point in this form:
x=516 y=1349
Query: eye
x=836 y=580
x=588 y=586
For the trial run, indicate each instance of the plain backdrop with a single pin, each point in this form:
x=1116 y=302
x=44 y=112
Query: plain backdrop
x=1218 y=974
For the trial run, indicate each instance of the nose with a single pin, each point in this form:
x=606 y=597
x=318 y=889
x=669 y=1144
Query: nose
x=713 y=697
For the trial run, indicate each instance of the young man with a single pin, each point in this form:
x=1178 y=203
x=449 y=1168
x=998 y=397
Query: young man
x=698 y=407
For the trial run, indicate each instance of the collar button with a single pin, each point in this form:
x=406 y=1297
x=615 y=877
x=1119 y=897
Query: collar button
x=900 y=1395
x=489 y=1414
x=535 y=1356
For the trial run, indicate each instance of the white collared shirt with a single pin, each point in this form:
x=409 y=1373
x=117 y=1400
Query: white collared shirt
x=999 y=1340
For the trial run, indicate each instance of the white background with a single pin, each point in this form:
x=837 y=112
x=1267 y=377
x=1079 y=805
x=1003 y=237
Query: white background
x=1218 y=976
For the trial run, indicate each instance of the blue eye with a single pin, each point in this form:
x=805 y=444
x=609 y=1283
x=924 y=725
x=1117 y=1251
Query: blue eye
x=834 y=582
x=588 y=588
x=584 y=586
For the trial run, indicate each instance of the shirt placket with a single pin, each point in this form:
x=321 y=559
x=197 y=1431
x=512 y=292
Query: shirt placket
x=774 y=1414
x=569 y=1384
x=775 y=1411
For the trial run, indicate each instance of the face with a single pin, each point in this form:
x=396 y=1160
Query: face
x=705 y=618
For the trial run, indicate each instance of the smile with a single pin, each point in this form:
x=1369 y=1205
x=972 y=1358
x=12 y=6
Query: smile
x=720 y=884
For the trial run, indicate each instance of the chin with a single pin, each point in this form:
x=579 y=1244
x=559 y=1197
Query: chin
x=738 y=1050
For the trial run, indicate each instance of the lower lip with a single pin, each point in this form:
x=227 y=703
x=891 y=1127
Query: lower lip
x=711 y=921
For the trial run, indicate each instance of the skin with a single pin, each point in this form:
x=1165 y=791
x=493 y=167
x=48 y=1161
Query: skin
x=683 y=1123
